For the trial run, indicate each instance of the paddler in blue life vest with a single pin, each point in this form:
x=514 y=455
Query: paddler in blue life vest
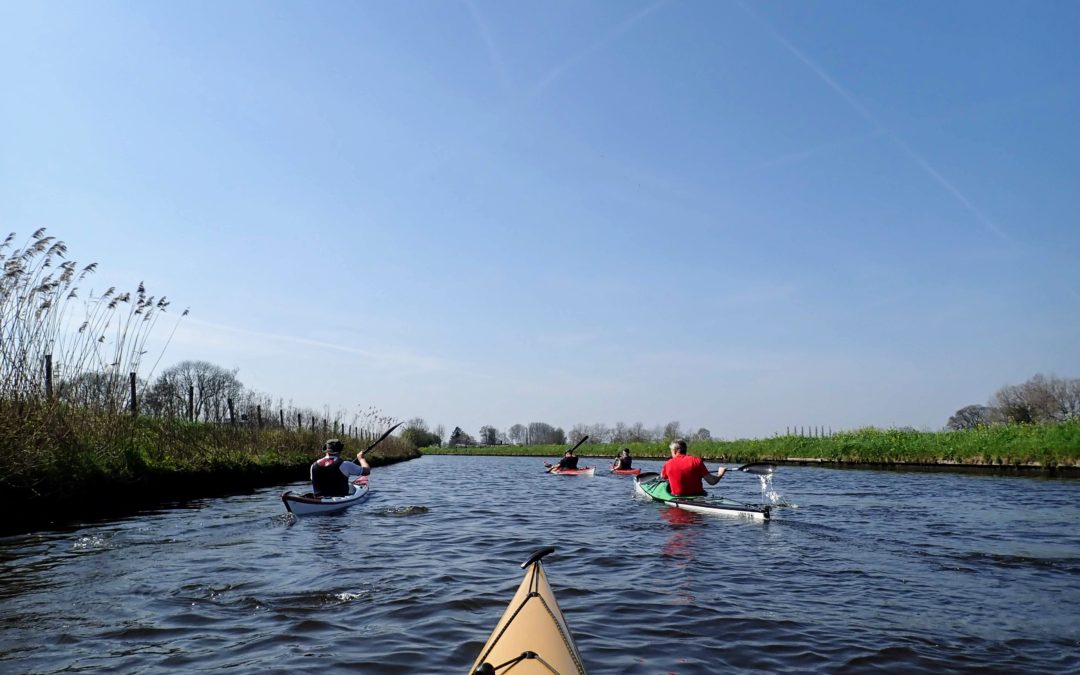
x=330 y=475
x=568 y=462
x=623 y=462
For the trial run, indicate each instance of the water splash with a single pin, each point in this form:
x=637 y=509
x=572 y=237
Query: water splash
x=346 y=597
x=404 y=511
x=91 y=543
x=770 y=495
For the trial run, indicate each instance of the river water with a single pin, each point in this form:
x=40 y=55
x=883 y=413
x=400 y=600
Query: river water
x=866 y=571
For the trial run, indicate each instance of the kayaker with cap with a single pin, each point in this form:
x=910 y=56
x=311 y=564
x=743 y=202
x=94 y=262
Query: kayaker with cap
x=684 y=472
x=568 y=461
x=330 y=475
x=623 y=461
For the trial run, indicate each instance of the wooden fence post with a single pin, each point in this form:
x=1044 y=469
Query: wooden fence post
x=48 y=377
x=299 y=422
x=134 y=401
x=191 y=403
x=232 y=414
x=258 y=415
x=281 y=415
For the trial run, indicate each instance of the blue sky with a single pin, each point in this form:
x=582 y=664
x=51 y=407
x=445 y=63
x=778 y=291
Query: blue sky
x=736 y=215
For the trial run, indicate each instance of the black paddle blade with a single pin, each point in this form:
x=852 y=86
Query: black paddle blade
x=537 y=555
x=758 y=468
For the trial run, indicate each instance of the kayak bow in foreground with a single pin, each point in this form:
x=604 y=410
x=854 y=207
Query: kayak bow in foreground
x=532 y=635
x=308 y=504
x=656 y=488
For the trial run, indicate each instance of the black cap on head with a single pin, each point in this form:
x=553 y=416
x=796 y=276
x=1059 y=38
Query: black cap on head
x=333 y=445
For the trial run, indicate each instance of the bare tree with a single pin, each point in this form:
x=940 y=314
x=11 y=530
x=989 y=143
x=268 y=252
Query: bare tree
x=672 y=430
x=971 y=416
x=599 y=433
x=517 y=433
x=212 y=387
x=416 y=434
x=1040 y=399
x=621 y=433
x=577 y=432
x=638 y=434
x=542 y=433
x=460 y=439
x=489 y=435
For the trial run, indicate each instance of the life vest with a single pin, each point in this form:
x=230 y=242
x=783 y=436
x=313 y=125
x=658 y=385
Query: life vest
x=327 y=479
x=568 y=463
x=624 y=463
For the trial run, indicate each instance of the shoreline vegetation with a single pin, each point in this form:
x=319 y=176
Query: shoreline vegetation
x=87 y=431
x=1045 y=448
x=59 y=465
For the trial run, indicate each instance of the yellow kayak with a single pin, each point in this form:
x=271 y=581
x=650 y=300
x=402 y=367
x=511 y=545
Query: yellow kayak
x=531 y=636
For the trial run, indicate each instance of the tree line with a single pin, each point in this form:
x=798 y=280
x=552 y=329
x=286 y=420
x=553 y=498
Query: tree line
x=1040 y=400
x=200 y=391
x=417 y=432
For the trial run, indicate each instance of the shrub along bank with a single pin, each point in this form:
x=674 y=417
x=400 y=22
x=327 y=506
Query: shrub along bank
x=61 y=464
x=1036 y=446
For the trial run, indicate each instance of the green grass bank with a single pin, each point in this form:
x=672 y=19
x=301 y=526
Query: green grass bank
x=61 y=464
x=1031 y=446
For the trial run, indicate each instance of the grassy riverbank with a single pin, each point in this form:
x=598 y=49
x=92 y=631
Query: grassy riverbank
x=59 y=463
x=1039 y=446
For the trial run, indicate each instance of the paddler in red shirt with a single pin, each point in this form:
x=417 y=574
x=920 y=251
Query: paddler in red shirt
x=684 y=472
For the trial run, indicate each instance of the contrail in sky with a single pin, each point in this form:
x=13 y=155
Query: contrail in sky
x=869 y=117
x=616 y=32
x=493 y=53
x=398 y=358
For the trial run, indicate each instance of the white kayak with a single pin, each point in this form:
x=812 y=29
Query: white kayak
x=532 y=635
x=308 y=504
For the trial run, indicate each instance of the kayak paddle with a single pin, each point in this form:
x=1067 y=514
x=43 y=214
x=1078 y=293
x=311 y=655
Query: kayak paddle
x=383 y=437
x=758 y=468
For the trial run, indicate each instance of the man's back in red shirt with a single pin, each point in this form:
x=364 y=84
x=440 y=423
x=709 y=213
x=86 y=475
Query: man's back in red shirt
x=684 y=473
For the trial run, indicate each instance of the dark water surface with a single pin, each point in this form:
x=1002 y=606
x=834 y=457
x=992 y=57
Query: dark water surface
x=874 y=571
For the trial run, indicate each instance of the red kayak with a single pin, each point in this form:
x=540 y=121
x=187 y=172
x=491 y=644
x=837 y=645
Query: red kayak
x=627 y=472
x=587 y=471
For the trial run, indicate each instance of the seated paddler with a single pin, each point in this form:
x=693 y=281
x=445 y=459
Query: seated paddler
x=568 y=461
x=330 y=475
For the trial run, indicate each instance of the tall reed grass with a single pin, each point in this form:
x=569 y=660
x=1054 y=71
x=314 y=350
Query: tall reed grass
x=66 y=449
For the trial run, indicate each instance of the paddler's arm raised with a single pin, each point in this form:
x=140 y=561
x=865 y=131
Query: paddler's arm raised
x=714 y=478
x=363 y=462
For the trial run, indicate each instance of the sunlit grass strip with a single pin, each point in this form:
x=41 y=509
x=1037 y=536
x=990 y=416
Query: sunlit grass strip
x=1048 y=446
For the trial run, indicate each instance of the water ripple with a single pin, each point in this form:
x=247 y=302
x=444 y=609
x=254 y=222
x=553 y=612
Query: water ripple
x=875 y=572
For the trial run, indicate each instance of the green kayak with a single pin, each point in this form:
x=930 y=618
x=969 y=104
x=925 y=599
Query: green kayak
x=656 y=488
